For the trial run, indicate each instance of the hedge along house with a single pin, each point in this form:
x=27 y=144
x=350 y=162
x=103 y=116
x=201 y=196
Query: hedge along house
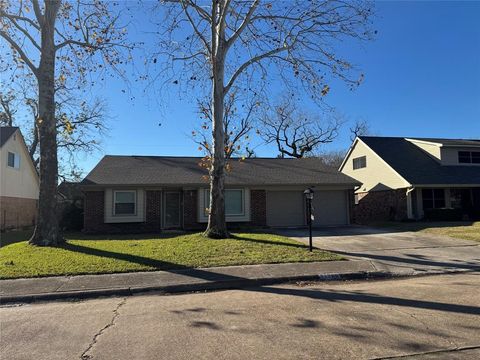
x=152 y=193
x=414 y=178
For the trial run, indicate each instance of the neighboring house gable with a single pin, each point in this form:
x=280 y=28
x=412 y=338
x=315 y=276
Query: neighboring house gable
x=418 y=178
x=374 y=174
x=19 y=182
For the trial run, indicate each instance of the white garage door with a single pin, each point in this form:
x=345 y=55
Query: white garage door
x=285 y=208
x=330 y=208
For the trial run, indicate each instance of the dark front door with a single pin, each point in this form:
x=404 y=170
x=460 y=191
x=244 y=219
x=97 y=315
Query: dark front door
x=172 y=210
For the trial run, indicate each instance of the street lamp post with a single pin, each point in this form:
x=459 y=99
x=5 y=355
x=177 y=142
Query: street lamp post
x=309 y=196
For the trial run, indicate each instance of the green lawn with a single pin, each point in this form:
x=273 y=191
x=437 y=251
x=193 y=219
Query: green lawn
x=96 y=255
x=456 y=229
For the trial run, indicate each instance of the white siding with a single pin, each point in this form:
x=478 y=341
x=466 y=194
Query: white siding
x=377 y=175
x=450 y=155
x=431 y=149
x=140 y=208
x=21 y=182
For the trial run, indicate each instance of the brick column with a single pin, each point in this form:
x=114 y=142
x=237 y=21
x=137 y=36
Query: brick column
x=153 y=216
x=94 y=210
x=258 y=205
x=190 y=205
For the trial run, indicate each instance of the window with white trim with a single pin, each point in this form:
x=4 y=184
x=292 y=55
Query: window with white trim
x=433 y=198
x=359 y=162
x=469 y=157
x=124 y=202
x=13 y=160
x=234 y=202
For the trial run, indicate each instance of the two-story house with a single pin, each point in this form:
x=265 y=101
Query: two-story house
x=19 y=182
x=405 y=178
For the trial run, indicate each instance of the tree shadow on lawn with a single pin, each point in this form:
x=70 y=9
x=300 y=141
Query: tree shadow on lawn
x=122 y=236
x=316 y=294
x=269 y=242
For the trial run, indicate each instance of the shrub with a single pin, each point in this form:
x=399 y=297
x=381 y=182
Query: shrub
x=444 y=214
x=72 y=218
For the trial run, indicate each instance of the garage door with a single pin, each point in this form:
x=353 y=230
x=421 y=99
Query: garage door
x=285 y=208
x=330 y=208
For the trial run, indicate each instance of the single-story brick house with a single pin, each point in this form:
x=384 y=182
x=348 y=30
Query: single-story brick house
x=152 y=193
x=414 y=178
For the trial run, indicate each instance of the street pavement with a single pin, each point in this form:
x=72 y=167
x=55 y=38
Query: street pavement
x=434 y=317
x=396 y=250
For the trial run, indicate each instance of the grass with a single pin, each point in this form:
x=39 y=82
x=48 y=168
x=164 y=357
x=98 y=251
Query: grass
x=96 y=255
x=457 y=229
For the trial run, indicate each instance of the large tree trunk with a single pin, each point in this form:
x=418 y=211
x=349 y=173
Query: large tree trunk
x=47 y=231
x=217 y=227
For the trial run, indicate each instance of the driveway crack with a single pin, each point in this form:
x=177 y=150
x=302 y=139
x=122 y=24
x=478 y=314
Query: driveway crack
x=85 y=355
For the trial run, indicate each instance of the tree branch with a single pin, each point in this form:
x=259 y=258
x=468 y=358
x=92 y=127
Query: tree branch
x=244 y=24
x=22 y=54
x=253 y=60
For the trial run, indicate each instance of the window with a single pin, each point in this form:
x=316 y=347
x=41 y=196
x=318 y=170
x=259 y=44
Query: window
x=234 y=202
x=433 y=198
x=359 y=162
x=469 y=157
x=124 y=202
x=13 y=160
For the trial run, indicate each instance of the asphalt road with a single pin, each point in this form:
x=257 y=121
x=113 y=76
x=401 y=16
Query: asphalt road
x=436 y=317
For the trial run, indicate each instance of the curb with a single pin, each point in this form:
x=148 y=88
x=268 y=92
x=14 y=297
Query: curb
x=187 y=288
x=213 y=285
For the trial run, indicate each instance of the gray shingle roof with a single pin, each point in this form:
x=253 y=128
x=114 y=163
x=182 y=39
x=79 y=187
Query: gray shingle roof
x=5 y=133
x=416 y=166
x=184 y=171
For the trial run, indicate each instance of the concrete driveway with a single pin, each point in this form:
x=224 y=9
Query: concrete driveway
x=386 y=248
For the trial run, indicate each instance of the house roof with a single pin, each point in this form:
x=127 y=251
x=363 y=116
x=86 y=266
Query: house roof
x=167 y=170
x=416 y=166
x=5 y=133
x=451 y=142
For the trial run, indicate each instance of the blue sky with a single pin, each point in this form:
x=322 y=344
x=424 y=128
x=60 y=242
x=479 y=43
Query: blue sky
x=422 y=78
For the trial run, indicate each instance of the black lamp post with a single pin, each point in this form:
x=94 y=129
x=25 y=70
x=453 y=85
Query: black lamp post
x=309 y=196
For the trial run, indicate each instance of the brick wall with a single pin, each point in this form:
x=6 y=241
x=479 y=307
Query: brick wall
x=387 y=205
x=94 y=215
x=17 y=212
x=351 y=205
x=258 y=204
x=95 y=203
x=153 y=213
x=190 y=208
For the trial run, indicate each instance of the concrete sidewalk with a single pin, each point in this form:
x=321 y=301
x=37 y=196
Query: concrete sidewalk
x=202 y=279
x=230 y=277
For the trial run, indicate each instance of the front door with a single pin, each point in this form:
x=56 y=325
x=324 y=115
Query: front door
x=172 y=210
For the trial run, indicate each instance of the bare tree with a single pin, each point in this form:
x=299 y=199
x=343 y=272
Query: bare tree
x=251 y=44
x=295 y=133
x=359 y=128
x=333 y=158
x=8 y=107
x=80 y=126
x=57 y=44
x=237 y=124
